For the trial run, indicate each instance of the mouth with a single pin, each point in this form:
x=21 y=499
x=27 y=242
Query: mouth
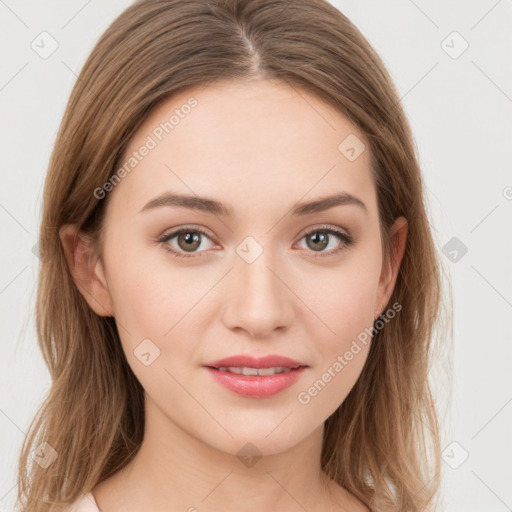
x=256 y=377
x=273 y=370
x=254 y=362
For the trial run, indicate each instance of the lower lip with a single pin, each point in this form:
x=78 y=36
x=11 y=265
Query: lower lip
x=257 y=386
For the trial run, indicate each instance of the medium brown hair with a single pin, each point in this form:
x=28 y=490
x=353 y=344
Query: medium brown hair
x=382 y=443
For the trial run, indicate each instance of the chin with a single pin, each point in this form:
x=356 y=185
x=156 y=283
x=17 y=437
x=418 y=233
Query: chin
x=255 y=442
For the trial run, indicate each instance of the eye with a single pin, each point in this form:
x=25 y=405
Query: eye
x=188 y=241
x=320 y=238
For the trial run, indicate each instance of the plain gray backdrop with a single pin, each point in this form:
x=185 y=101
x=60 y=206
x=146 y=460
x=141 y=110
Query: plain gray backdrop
x=451 y=62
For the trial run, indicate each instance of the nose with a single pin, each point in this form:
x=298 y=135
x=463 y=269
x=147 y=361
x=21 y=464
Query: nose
x=259 y=299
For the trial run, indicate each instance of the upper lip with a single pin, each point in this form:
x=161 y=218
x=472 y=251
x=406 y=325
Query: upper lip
x=247 y=361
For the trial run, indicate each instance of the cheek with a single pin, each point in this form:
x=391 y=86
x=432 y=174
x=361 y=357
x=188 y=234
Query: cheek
x=343 y=352
x=341 y=342
x=150 y=293
x=344 y=301
x=156 y=312
x=156 y=300
x=351 y=309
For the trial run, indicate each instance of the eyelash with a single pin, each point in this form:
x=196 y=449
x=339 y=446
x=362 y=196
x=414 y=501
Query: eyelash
x=347 y=241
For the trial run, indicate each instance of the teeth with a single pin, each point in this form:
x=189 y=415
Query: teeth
x=254 y=371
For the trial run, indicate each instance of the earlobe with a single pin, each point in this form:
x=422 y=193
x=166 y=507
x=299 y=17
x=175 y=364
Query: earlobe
x=86 y=270
x=398 y=234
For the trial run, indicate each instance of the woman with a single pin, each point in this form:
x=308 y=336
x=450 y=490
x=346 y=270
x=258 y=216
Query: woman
x=239 y=284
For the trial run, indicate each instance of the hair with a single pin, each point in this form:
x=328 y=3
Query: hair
x=382 y=444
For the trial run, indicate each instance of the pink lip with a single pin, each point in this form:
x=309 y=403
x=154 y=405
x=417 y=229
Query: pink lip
x=256 y=386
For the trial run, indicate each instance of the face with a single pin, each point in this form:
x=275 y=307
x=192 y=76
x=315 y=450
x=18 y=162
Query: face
x=250 y=272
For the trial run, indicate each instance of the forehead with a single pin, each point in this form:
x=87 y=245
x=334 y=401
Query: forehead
x=249 y=144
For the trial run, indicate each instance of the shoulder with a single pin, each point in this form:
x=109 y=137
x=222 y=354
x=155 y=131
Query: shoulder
x=86 y=503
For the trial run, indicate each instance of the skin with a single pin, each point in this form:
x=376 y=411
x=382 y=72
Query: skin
x=259 y=147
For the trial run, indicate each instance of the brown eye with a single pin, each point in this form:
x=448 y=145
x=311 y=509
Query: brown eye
x=189 y=240
x=320 y=239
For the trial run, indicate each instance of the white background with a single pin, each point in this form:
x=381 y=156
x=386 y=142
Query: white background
x=460 y=110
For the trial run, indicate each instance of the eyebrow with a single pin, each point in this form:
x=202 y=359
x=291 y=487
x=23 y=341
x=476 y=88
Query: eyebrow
x=214 y=207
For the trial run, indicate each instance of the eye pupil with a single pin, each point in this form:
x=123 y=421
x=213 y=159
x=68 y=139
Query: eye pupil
x=318 y=237
x=191 y=239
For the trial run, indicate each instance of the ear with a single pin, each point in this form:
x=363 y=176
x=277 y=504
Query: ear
x=389 y=273
x=87 y=271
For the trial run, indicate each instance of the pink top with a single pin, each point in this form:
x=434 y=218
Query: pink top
x=85 y=504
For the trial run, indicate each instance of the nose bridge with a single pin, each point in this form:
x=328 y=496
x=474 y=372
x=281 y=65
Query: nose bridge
x=260 y=302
